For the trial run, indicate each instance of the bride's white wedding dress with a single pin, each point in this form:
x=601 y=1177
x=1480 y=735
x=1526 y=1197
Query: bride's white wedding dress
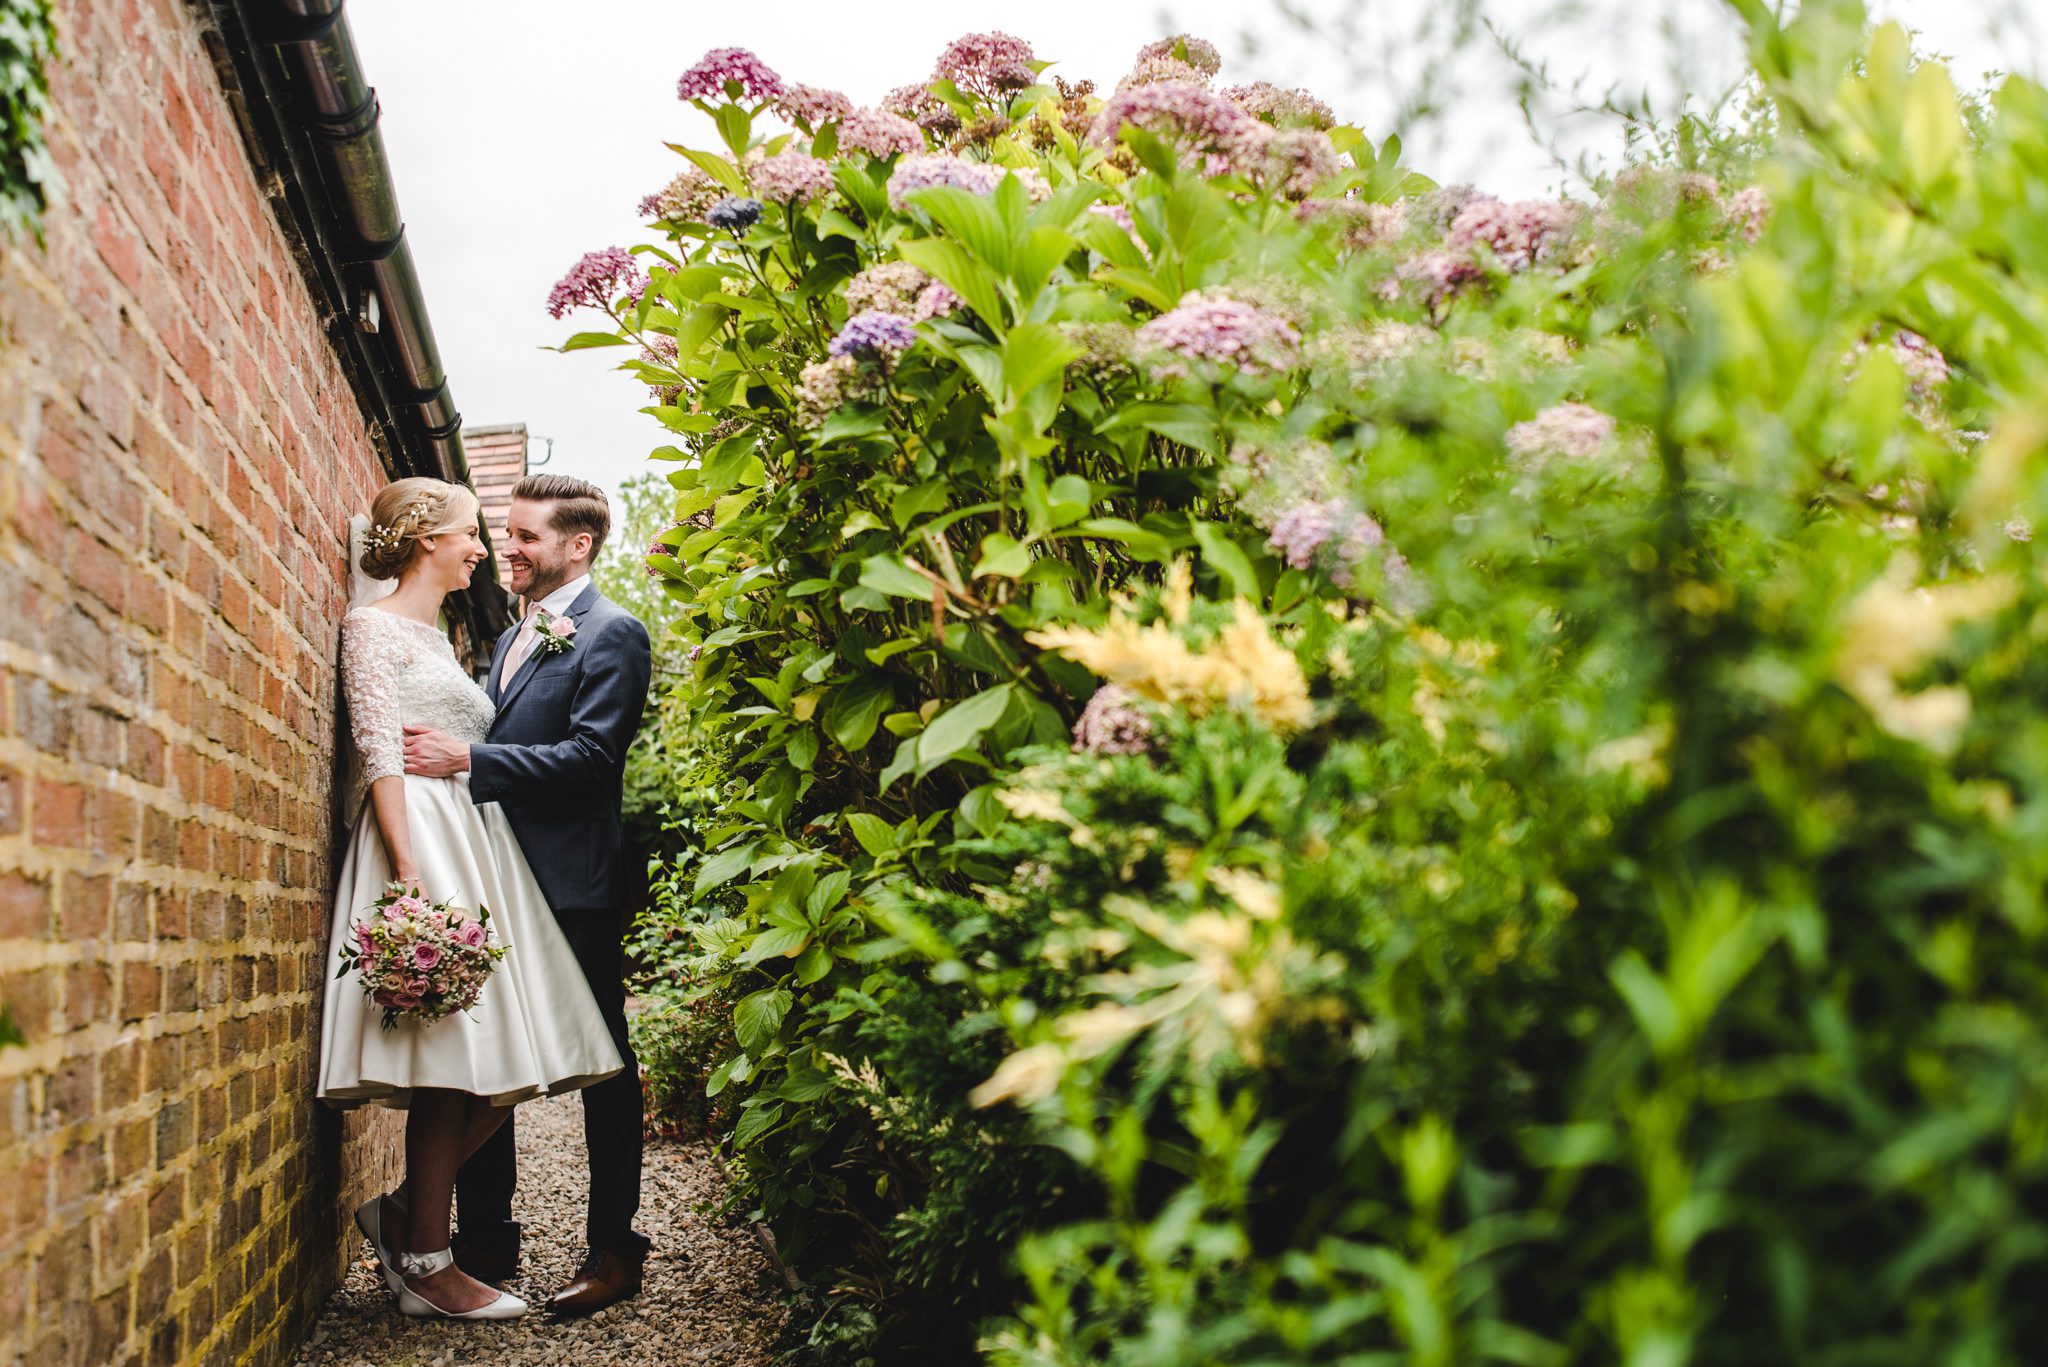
x=536 y=1029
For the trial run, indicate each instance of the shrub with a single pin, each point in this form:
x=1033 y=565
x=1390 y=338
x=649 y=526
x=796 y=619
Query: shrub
x=1316 y=768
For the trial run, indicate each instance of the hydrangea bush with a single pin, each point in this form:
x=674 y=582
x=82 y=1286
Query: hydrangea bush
x=1296 y=765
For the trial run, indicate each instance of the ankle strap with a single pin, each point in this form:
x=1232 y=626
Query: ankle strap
x=425 y=1264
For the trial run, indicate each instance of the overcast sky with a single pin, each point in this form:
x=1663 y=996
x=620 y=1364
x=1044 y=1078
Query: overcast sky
x=522 y=133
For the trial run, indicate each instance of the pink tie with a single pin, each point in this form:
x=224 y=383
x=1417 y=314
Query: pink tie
x=522 y=646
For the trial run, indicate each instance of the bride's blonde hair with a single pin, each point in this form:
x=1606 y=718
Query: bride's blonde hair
x=407 y=511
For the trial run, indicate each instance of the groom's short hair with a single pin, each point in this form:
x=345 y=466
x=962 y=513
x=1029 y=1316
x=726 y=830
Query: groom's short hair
x=579 y=506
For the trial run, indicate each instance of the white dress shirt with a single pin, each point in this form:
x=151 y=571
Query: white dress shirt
x=555 y=604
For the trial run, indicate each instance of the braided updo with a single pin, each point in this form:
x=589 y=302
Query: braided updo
x=403 y=514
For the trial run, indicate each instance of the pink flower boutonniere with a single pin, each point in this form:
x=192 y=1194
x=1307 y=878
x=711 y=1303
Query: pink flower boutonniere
x=555 y=633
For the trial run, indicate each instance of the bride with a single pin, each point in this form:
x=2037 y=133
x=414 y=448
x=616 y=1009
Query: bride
x=536 y=1029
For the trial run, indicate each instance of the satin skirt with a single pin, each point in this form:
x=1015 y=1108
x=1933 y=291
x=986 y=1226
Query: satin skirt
x=534 y=1031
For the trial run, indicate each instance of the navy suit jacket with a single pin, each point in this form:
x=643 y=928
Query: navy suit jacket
x=555 y=758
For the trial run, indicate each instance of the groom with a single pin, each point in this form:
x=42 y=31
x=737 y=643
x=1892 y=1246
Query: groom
x=569 y=700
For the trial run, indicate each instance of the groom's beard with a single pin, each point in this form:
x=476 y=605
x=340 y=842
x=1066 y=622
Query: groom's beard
x=544 y=584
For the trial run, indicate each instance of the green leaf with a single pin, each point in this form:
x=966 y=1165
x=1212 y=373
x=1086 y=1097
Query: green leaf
x=905 y=761
x=757 y=1017
x=721 y=1075
x=863 y=520
x=875 y=835
x=1145 y=545
x=584 y=341
x=803 y=749
x=776 y=942
x=949 y=262
x=714 y=166
x=856 y=710
x=1034 y=353
x=1003 y=555
x=1228 y=559
x=1069 y=498
x=723 y=867
x=972 y=219
x=754 y=1122
x=813 y=964
x=828 y=892
x=960 y=726
x=888 y=574
x=1190 y=424
x=702 y=321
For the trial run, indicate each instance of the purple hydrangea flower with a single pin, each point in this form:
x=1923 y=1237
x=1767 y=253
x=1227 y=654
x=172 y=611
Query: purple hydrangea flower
x=791 y=177
x=874 y=334
x=921 y=107
x=812 y=105
x=1439 y=273
x=1200 y=121
x=661 y=351
x=708 y=79
x=1284 y=108
x=1225 y=332
x=735 y=214
x=880 y=133
x=1926 y=368
x=921 y=173
x=1112 y=724
x=1184 y=47
x=1519 y=234
x=990 y=65
x=1359 y=226
x=595 y=281
x=1296 y=160
x=1341 y=538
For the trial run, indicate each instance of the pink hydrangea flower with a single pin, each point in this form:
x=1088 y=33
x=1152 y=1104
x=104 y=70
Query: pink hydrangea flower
x=922 y=173
x=1226 y=332
x=880 y=133
x=936 y=300
x=892 y=287
x=791 y=177
x=1112 y=724
x=990 y=65
x=1439 y=273
x=661 y=351
x=600 y=277
x=1184 y=47
x=917 y=104
x=1341 y=538
x=1747 y=210
x=1296 y=160
x=1519 y=234
x=1566 y=431
x=1285 y=108
x=1200 y=121
x=1163 y=71
x=812 y=105
x=684 y=199
x=708 y=79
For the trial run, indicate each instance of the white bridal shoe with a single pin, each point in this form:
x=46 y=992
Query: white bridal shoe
x=411 y=1302
x=370 y=1220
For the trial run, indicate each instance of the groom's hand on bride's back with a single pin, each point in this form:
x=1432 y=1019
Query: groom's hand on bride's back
x=434 y=754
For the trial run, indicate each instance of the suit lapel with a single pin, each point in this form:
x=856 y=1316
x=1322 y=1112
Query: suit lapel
x=536 y=660
x=498 y=661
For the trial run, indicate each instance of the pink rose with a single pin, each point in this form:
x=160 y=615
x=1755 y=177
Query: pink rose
x=393 y=913
x=385 y=998
x=392 y=982
x=366 y=943
x=425 y=955
x=409 y=906
x=562 y=626
x=473 y=935
x=405 y=1001
x=417 y=986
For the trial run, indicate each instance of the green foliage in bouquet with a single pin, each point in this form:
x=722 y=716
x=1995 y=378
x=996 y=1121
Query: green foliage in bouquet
x=1302 y=767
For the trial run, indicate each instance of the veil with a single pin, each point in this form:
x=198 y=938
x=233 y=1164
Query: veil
x=362 y=590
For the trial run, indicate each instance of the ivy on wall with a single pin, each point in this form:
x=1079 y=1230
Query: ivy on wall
x=28 y=40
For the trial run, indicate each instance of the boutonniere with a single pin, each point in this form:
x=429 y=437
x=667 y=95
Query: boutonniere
x=554 y=633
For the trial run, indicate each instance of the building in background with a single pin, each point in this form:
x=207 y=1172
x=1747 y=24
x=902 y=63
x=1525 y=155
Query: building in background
x=497 y=461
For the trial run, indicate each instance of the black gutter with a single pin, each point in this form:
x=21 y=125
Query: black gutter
x=310 y=119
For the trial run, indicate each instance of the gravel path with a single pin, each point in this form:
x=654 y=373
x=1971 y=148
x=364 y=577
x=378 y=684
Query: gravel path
x=710 y=1297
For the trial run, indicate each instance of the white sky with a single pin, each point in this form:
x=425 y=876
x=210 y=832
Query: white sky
x=522 y=133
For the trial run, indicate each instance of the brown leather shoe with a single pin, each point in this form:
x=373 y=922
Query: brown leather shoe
x=604 y=1279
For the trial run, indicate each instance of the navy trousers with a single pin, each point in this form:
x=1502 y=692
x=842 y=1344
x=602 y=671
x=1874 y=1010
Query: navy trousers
x=612 y=1119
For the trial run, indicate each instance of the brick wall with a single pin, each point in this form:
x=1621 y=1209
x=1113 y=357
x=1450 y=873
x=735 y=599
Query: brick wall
x=497 y=461
x=179 y=449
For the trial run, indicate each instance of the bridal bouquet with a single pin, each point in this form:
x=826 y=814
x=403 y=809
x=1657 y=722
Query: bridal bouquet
x=420 y=960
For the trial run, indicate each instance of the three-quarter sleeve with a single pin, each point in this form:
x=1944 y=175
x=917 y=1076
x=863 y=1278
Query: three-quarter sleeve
x=369 y=684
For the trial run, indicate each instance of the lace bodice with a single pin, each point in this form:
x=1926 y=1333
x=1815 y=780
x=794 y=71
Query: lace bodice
x=396 y=673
